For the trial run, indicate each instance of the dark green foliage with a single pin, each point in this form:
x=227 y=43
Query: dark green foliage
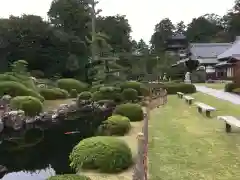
x=130 y=94
x=53 y=93
x=115 y=125
x=107 y=154
x=69 y=84
x=23 y=79
x=133 y=111
x=30 y=105
x=230 y=86
x=95 y=88
x=85 y=95
x=107 y=93
x=73 y=93
x=180 y=87
x=69 y=177
x=138 y=86
x=237 y=90
x=17 y=89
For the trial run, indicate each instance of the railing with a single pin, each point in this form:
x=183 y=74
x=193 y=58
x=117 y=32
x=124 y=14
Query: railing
x=141 y=166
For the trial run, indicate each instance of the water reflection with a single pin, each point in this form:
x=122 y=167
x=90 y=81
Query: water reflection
x=40 y=154
x=25 y=175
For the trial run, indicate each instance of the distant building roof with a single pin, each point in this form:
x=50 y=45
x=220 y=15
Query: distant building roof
x=178 y=36
x=232 y=52
x=208 y=50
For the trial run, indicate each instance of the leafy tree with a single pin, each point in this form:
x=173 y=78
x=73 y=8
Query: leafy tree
x=203 y=30
x=162 y=32
x=71 y=16
x=180 y=28
x=118 y=30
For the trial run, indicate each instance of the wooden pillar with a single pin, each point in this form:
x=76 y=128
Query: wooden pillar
x=138 y=173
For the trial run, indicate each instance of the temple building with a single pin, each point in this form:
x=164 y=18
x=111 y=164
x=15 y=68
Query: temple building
x=228 y=62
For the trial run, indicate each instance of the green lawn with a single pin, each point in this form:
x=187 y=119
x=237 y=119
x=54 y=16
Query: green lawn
x=185 y=145
x=212 y=85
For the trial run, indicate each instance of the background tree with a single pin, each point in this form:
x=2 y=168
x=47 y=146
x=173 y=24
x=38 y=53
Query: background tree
x=180 y=28
x=162 y=31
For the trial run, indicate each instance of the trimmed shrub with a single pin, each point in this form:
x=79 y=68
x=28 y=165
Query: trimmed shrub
x=85 y=95
x=237 y=90
x=30 y=105
x=230 y=86
x=138 y=86
x=73 y=93
x=184 y=88
x=69 y=177
x=107 y=154
x=17 y=89
x=130 y=94
x=54 y=93
x=133 y=111
x=96 y=88
x=107 y=93
x=25 y=80
x=69 y=84
x=115 y=125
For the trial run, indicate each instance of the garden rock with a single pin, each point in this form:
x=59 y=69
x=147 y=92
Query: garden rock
x=14 y=119
x=3 y=171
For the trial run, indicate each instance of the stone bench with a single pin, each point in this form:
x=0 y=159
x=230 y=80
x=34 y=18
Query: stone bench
x=188 y=99
x=230 y=121
x=180 y=94
x=204 y=107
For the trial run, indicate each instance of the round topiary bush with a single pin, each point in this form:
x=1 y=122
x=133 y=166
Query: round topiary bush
x=115 y=125
x=85 y=95
x=53 y=93
x=73 y=93
x=30 y=105
x=17 y=89
x=130 y=94
x=107 y=93
x=107 y=154
x=138 y=86
x=69 y=84
x=69 y=177
x=133 y=111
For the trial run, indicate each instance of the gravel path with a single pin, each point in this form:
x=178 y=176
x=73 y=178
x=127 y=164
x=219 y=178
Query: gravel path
x=235 y=99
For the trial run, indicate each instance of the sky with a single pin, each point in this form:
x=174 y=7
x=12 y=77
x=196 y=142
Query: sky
x=142 y=15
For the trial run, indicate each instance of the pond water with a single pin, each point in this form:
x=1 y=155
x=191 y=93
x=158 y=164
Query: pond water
x=43 y=153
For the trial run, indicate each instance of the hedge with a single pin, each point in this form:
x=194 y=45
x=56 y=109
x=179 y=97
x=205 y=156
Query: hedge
x=73 y=93
x=69 y=84
x=53 y=93
x=25 y=80
x=173 y=88
x=69 y=177
x=115 y=125
x=138 y=86
x=133 y=111
x=107 y=93
x=130 y=94
x=17 y=89
x=230 y=86
x=85 y=95
x=106 y=154
x=30 y=105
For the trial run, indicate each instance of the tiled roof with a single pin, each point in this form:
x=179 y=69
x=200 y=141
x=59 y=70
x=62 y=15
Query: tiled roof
x=208 y=50
x=233 y=51
x=208 y=60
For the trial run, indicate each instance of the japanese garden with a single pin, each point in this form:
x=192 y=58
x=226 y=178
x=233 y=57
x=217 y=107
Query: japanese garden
x=80 y=99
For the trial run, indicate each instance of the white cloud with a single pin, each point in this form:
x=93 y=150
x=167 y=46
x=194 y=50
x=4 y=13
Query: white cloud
x=142 y=14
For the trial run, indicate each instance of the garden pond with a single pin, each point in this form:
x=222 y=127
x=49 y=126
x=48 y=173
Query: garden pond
x=41 y=153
